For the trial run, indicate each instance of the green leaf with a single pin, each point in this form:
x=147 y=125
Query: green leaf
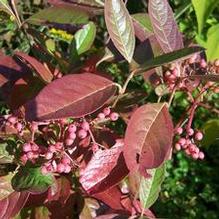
x=149 y=188
x=143 y=20
x=211 y=132
x=212 y=43
x=59 y=14
x=169 y=57
x=5 y=186
x=85 y=37
x=4 y=5
x=203 y=9
x=31 y=179
x=5 y=157
x=120 y=27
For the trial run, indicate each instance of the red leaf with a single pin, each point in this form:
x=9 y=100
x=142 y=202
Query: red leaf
x=71 y=96
x=11 y=205
x=164 y=25
x=106 y=168
x=60 y=191
x=42 y=71
x=148 y=137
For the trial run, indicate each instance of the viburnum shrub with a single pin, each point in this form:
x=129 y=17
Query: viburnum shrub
x=78 y=143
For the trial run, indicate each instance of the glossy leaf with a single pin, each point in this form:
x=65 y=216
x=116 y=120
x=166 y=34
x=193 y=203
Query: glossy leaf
x=212 y=43
x=80 y=95
x=94 y=3
x=40 y=69
x=120 y=27
x=150 y=188
x=31 y=179
x=148 y=138
x=11 y=205
x=164 y=26
x=85 y=37
x=104 y=170
x=203 y=9
x=67 y=14
x=142 y=26
x=169 y=58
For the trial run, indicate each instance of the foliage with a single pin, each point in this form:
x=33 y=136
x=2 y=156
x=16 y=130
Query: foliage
x=98 y=97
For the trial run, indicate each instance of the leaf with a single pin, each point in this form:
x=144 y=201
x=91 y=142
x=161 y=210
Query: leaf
x=212 y=43
x=5 y=157
x=120 y=27
x=208 y=77
x=149 y=188
x=5 y=186
x=31 y=179
x=211 y=132
x=40 y=69
x=67 y=15
x=203 y=10
x=164 y=26
x=80 y=95
x=4 y=5
x=148 y=138
x=181 y=54
x=142 y=26
x=85 y=37
x=104 y=170
x=11 y=205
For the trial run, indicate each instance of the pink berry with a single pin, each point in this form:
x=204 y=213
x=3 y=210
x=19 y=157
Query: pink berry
x=34 y=147
x=82 y=134
x=52 y=148
x=69 y=141
x=106 y=111
x=44 y=170
x=201 y=155
x=72 y=128
x=27 y=147
x=198 y=136
x=72 y=135
x=192 y=148
x=177 y=147
x=66 y=160
x=67 y=169
x=49 y=155
x=85 y=126
x=24 y=159
x=60 y=168
x=182 y=141
x=195 y=156
x=12 y=119
x=179 y=131
x=114 y=116
x=101 y=116
x=167 y=74
x=30 y=155
x=19 y=126
x=203 y=63
x=95 y=148
x=58 y=145
x=35 y=155
x=34 y=126
x=175 y=72
x=187 y=151
x=190 y=132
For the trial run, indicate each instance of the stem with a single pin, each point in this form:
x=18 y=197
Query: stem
x=16 y=13
x=171 y=97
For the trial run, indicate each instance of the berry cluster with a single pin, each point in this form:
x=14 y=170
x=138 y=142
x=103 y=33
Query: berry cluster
x=188 y=143
x=107 y=114
x=15 y=123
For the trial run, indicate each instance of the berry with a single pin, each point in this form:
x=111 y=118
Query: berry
x=12 y=119
x=201 y=155
x=58 y=145
x=101 y=116
x=177 y=147
x=72 y=128
x=34 y=126
x=30 y=155
x=114 y=116
x=27 y=147
x=198 y=136
x=49 y=155
x=19 y=126
x=203 y=63
x=24 y=158
x=34 y=147
x=106 y=111
x=69 y=141
x=72 y=135
x=60 y=168
x=67 y=169
x=95 y=148
x=179 y=131
x=85 y=126
x=52 y=148
x=66 y=160
x=82 y=134
x=44 y=170
x=216 y=63
x=182 y=141
x=190 y=132
x=195 y=156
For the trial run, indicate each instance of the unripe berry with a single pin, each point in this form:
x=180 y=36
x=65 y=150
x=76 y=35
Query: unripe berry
x=167 y=74
x=114 y=116
x=190 y=132
x=187 y=151
x=192 y=148
x=82 y=134
x=101 y=116
x=69 y=141
x=203 y=63
x=85 y=126
x=106 y=111
x=198 y=136
x=27 y=147
x=182 y=141
x=60 y=168
x=177 y=147
x=67 y=169
x=49 y=155
x=72 y=128
x=195 y=156
x=179 y=131
x=201 y=155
